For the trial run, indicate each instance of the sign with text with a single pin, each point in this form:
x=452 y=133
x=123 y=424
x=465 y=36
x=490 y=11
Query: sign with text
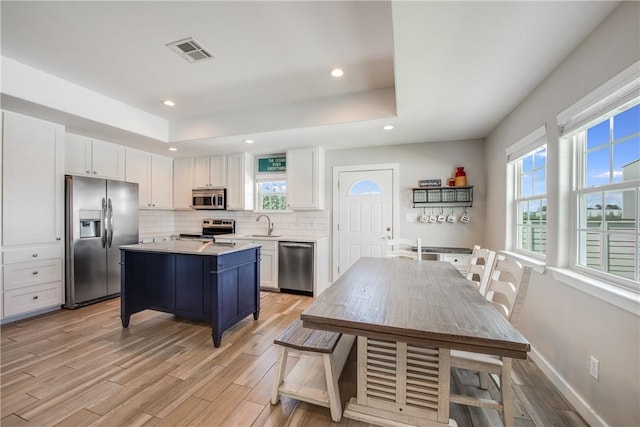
x=272 y=164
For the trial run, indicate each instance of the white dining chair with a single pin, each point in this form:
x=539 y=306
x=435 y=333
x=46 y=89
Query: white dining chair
x=480 y=267
x=506 y=290
x=404 y=248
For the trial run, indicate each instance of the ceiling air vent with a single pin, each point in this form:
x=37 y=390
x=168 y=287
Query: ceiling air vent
x=190 y=50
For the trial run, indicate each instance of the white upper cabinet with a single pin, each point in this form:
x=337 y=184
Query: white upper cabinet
x=305 y=178
x=182 y=183
x=154 y=175
x=32 y=181
x=209 y=172
x=240 y=181
x=92 y=157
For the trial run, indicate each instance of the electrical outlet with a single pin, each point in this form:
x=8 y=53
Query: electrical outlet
x=594 y=366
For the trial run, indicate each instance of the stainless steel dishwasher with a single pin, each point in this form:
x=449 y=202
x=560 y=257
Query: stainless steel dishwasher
x=295 y=267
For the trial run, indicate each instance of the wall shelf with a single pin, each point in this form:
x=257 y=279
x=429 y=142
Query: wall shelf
x=442 y=196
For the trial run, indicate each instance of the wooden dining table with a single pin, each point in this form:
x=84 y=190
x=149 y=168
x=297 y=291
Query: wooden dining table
x=407 y=316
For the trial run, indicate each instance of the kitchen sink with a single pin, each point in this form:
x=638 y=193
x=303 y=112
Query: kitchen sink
x=263 y=235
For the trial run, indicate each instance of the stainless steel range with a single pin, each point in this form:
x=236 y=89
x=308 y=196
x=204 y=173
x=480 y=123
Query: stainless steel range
x=212 y=227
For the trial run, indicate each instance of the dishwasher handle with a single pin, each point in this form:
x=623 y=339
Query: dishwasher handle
x=296 y=245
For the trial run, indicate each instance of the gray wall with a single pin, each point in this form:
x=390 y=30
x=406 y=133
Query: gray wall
x=566 y=325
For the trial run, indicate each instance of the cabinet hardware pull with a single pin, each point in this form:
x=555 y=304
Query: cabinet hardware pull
x=58 y=238
x=88 y=171
x=35 y=255
x=35 y=272
x=35 y=297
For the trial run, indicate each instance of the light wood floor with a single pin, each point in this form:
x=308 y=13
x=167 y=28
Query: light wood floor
x=80 y=367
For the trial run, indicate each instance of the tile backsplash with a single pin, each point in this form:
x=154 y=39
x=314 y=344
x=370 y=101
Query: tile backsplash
x=300 y=223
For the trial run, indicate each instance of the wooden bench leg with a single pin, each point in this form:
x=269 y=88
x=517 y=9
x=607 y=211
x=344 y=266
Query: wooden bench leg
x=280 y=371
x=507 y=393
x=333 y=391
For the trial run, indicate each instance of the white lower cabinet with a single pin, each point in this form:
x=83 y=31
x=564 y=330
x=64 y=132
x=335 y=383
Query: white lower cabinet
x=32 y=279
x=459 y=261
x=268 y=264
x=268 y=260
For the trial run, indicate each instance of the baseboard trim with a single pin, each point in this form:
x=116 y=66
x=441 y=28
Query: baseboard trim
x=582 y=407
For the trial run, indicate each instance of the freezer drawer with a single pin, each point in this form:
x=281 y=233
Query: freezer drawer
x=295 y=267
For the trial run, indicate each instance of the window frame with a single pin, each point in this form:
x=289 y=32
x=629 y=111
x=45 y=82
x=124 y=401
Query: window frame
x=268 y=177
x=579 y=149
x=515 y=153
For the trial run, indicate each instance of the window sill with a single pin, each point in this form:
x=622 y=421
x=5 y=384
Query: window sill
x=536 y=264
x=625 y=299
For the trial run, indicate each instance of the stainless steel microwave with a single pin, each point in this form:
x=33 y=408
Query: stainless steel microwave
x=209 y=198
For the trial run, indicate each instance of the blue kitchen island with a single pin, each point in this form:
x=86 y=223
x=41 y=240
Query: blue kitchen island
x=215 y=282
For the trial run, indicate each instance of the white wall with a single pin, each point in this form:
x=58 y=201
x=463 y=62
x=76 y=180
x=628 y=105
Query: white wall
x=299 y=223
x=566 y=325
x=436 y=160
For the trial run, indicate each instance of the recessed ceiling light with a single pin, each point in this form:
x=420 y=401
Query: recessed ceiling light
x=249 y=141
x=336 y=72
x=173 y=149
x=387 y=127
x=169 y=103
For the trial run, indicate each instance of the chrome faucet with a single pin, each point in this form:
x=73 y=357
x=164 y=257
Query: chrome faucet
x=269 y=225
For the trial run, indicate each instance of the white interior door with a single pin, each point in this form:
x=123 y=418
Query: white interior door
x=365 y=215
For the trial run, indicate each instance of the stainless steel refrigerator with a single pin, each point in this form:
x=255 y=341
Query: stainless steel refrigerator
x=100 y=216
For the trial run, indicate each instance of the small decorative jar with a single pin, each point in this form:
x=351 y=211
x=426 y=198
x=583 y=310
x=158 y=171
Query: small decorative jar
x=461 y=177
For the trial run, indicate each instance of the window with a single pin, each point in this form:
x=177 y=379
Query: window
x=272 y=195
x=606 y=196
x=527 y=170
x=531 y=201
x=271 y=183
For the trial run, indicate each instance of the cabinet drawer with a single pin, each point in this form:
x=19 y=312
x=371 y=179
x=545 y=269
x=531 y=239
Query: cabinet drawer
x=267 y=245
x=32 y=273
x=32 y=298
x=459 y=261
x=31 y=254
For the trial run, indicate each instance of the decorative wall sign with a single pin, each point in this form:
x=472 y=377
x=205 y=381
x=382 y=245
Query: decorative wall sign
x=430 y=183
x=272 y=164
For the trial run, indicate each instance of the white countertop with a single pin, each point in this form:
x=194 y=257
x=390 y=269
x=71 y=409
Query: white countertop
x=276 y=237
x=192 y=247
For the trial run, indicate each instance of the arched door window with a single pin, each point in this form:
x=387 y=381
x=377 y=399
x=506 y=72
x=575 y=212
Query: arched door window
x=364 y=187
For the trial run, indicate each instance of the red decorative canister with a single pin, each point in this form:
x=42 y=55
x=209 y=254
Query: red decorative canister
x=461 y=177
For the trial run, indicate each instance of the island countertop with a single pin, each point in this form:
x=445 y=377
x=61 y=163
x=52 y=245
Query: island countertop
x=190 y=247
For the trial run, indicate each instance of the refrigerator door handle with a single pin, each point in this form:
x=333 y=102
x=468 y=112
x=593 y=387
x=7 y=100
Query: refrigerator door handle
x=104 y=222
x=110 y=223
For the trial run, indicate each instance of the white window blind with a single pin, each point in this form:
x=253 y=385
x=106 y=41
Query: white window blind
x=607 y=100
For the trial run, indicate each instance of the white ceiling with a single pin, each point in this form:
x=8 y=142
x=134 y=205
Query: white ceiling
x=437 y=71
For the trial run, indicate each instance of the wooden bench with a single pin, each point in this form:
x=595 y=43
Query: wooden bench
x=314 y=379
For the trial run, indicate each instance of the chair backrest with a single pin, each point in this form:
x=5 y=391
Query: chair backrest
x=404 y=248
x=508 y=287
x=480 y=267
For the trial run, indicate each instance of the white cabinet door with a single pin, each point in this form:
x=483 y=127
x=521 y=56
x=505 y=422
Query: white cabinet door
x=161 y=182
x=210 y=172
x=154 y=175
x=218 y=171
x=201 y=172
x=182 y=183
x=138 y=170
x=268 y=268
x=240 y=181
x=92 y=157
x=305 y=178
x=107 y=160
x=32 y=181
x=77 y=154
